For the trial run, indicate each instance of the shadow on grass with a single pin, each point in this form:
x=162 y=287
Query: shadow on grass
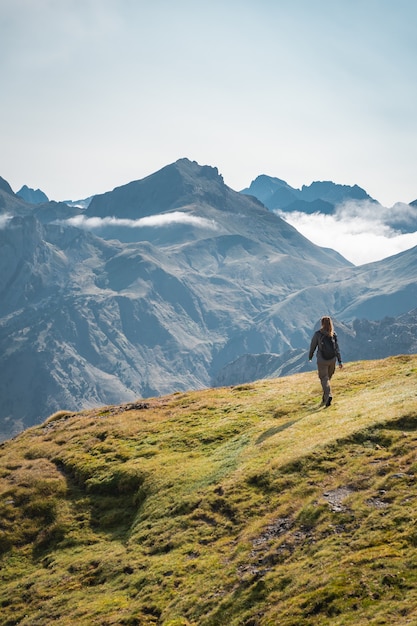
x=278 y=429
x=406 y=423
x=274 y=430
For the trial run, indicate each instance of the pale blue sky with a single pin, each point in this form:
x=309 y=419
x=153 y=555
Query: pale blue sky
x=96 y=93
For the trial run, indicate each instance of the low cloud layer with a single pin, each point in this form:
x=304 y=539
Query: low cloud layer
x=152 y=221
x=4 y=220
x=361 y=231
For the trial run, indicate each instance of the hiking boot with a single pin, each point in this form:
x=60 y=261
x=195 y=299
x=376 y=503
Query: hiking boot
x=329 y=401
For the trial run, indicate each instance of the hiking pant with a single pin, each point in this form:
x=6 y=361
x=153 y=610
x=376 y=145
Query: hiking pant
x=326 y=370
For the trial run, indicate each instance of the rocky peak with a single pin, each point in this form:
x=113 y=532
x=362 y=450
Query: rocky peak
x=33 y=196
x=4 y=186
x=171 y=187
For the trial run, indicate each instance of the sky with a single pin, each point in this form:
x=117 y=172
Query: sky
x=97 y=93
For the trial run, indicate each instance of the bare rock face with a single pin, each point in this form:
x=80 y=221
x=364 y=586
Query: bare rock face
x=33 y=196
x=4 y=186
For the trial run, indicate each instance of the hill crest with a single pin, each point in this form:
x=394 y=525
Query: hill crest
x=242 y=505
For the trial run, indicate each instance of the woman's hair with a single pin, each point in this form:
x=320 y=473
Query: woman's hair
x=327 y=325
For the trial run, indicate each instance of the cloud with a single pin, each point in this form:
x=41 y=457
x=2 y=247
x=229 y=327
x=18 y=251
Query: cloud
x=152 y=221
x=4 y=220
x=366 y=211
x=362 y=232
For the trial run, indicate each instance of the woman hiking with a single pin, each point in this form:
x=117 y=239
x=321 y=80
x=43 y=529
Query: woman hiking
x=325 y=340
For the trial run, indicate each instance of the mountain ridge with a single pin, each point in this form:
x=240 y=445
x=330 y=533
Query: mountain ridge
x=33 y=196
x=263 y=188
x=329 y=198
x=276 y=194
x=171 y=187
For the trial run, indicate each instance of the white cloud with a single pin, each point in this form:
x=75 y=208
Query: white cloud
x=4 y=220
x=360 y=231
x=155 y=221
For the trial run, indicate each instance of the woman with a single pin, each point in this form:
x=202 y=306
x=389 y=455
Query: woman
x=325 y=340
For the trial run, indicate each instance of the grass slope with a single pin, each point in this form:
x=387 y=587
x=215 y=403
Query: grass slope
x=248 y=506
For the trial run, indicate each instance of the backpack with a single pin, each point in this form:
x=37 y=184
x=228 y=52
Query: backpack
x=327 y=346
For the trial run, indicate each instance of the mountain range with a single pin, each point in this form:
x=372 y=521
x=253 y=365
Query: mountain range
x=171 y=283
x=327 y=198
x=320 y=196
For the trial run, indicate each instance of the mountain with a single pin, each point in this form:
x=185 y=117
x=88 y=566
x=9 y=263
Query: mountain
x=5 y=187
x=13 y=205
x=177 y=185
x=9 y=202
x=85 y=321
x=161 y=284
x=33 y=196
x=322 y=196
x=246 y=505
x=326 y=197
x=82 y=204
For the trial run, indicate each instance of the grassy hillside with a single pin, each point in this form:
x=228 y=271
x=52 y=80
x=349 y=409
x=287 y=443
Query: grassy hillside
x=247 y=506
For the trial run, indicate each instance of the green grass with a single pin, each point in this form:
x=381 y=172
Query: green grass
x=247 y=506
